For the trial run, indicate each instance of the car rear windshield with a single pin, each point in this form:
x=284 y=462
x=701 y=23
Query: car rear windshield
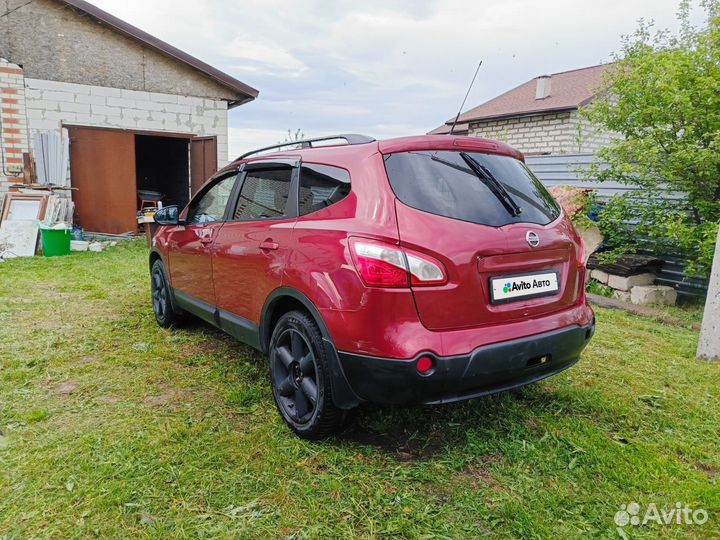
x=451 y=185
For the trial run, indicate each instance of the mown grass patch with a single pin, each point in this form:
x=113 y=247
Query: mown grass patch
x=114 y=427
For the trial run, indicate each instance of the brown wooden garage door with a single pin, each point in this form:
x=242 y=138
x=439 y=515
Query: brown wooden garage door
x=102 y=167
x=203 y=161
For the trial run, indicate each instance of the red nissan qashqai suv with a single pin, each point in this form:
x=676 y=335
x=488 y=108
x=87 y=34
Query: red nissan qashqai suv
x=423 y=269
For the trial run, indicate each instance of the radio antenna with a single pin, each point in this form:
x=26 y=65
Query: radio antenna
x=452 y=128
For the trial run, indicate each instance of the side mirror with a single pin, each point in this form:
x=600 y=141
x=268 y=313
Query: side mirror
x=169 y=215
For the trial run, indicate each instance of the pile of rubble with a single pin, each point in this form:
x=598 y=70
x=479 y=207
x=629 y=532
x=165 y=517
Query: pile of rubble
x=86 y=245
x=632 y=279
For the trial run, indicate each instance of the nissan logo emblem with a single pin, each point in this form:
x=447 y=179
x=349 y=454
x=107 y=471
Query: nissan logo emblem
x=532 y=238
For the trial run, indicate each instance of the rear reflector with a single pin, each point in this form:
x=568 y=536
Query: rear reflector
x=386 y=265
x=424 y=364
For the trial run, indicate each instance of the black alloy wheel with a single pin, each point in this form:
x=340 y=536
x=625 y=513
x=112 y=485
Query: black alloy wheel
x=294 y=375
x=300 y=377
x=165 y=314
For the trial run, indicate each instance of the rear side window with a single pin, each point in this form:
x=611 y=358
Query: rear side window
x=264 y=194
x=443 y=183
x=321 y=186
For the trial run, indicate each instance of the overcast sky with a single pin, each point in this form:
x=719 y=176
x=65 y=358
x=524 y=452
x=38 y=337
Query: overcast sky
x=387 y=68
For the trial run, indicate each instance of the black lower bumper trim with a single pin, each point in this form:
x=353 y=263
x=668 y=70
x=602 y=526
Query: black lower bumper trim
x=487 y=370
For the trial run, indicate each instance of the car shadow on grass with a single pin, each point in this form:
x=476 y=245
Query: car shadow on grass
x=422 y=432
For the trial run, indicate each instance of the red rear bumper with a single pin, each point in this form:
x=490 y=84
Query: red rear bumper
x=486 y=370
x=388 y=327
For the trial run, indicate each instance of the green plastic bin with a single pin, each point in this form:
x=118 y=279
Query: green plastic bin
x=55 y=242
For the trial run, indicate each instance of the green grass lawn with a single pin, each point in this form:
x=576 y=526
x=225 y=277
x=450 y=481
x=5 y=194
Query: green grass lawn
x=115 y=428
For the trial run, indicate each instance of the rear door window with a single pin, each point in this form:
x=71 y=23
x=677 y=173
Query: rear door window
x=442 y=183
x=321 y=186
x=264 y=194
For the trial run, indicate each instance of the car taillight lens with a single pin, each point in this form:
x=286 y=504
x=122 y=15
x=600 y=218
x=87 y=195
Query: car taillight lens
x=424 y=272
x=386 y=265
x=581 y=252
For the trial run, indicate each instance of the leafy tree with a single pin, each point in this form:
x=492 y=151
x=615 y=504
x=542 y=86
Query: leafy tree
x=663 y=98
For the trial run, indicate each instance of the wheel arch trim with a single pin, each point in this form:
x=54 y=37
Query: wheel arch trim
x=343 y=395
x=156 y=255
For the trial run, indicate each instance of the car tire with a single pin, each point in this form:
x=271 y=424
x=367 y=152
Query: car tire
x=165 y=314
x=300 y=377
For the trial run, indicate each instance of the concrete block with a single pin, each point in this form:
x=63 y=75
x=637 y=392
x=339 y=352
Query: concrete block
x=621 y=295
x=162 y=98
x=79 y=245
x=54 y=95
x=121 y=102
x=135 y=94
x=95 y=246
x=60 y=116
x=43 y=84
x=33 y=93
x=189 y=100
x=110 y=111
x=176 y=108
x=626 y=283
x=653 y=294
x=75 y=107
x=599 y=275
x=151 y=106
x=105 y=91
x=119 y=121
x=91 y=99
x=89 y=119
x=136 y=114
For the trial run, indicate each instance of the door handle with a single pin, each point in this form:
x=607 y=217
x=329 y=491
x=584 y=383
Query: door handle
x=206 y=236
x=269 y=244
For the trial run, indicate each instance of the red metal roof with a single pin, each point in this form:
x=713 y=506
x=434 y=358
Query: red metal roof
x=460 y=129
x=246 y=93
x=568 y=90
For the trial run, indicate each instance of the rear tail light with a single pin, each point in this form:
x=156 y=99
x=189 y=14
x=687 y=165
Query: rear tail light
x=386 y=265
x=379 y=265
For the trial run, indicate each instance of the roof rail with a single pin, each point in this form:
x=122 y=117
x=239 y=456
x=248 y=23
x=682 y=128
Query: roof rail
x=349 y=138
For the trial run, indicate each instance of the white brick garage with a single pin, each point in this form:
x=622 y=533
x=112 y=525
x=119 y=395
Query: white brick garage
x=109 y=89
x=59 y=108
x=51 y=104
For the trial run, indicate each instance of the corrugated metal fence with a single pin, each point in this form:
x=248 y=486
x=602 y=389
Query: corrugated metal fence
x=566 y=170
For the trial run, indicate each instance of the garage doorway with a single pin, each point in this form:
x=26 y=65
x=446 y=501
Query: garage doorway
x=162 y=167
x=109 y=166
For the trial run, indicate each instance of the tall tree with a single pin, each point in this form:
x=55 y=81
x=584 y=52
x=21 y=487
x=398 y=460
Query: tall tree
x=663 y=100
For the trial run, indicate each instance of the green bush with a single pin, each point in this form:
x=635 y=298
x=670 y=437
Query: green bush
x=662 y=96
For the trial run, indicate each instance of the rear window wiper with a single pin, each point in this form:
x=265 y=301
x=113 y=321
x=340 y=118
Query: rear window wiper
x=492 y=183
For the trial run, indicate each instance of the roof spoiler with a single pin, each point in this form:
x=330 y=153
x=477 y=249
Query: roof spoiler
x=349 y=138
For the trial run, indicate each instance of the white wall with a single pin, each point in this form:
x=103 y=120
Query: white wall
x=547 y=133
x=49 y=104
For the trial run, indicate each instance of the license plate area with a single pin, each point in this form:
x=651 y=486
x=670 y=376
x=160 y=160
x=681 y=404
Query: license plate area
x=505 y=289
